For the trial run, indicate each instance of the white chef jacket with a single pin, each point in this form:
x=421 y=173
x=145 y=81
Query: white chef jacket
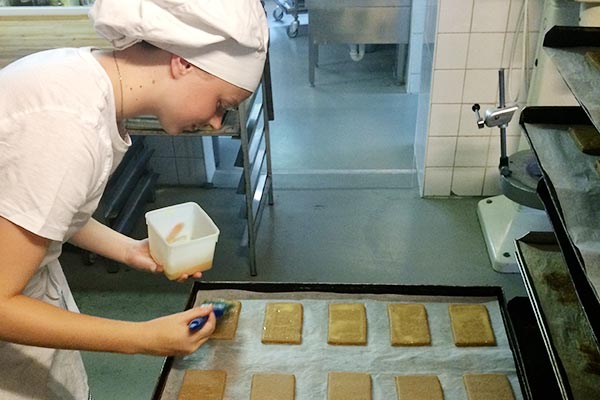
x=59 y=143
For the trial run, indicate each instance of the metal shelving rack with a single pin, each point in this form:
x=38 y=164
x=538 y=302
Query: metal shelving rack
x=559 y=271
x=250 y=124
x=292 y=7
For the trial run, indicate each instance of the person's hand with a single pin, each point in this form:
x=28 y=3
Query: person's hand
x=138 y=256
x=184 y=277
x=171 y=336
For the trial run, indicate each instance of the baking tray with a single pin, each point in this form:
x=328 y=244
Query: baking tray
x=541 y=125
x=358 y=292
x=566 y=46
x=570 y=342
x=539 y=382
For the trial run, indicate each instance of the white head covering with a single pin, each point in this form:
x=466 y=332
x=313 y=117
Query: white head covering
x=226 y=38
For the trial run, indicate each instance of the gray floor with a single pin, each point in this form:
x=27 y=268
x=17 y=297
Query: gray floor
x=346 y=209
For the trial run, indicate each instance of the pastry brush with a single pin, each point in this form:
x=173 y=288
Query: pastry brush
x=220 y=308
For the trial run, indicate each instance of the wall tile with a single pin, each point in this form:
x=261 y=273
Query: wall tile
x=512 y=50
x=189 y=146
x=513 y=15
x=447 y=86
x=444 y=119
x=468 y=120
x=517 y=50
x=490 y=15
x=454 y=15
x=440 y=151
x=481 y=86
x=491 y=183
x=161 y=144
x=472 y=151
x=485 y=50
x=491 y=25
x=514 y=85
x=451 y=50
x=437 y=181
x=191 y=171
x=468 y=181
x=535 y=15
x=166 y=168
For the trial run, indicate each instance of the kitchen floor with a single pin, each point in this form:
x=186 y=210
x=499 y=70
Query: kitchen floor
x=347 y=207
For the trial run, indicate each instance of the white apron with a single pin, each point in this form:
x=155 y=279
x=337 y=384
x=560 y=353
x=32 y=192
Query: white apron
x=32 y=373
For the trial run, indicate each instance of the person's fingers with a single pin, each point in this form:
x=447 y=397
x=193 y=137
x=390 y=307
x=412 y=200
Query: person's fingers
x=209 y=326
x=185 y=277
x=200 y=311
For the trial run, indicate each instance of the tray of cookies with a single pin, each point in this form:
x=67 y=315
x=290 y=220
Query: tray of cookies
x=349 y=341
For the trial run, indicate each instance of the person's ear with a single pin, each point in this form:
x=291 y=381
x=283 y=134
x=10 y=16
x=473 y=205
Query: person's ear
x=180 y=67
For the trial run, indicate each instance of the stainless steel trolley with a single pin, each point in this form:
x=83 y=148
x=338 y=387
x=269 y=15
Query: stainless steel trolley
x=293 y=7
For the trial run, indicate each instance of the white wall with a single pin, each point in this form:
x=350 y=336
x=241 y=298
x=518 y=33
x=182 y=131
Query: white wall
x=471 y=41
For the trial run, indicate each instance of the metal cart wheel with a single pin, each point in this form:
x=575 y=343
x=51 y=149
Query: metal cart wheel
x=278 y=13
x=292 y=30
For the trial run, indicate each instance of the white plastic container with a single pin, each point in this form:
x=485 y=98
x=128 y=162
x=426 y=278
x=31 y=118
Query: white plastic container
x=182 y=239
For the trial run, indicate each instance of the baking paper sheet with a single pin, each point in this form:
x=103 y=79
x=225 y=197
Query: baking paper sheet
x=314 y=358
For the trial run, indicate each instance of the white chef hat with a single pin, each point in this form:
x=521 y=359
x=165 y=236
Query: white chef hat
x=226 y=38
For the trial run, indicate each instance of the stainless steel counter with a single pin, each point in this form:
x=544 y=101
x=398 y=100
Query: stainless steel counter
x=360 y=22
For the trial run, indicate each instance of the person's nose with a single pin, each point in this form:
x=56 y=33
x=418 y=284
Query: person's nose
x=216 y=122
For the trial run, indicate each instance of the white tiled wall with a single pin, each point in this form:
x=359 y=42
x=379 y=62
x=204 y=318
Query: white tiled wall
x=178 y=161
x=470 y=40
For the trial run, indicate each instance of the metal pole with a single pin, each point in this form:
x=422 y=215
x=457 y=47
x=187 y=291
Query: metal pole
x=504 y=169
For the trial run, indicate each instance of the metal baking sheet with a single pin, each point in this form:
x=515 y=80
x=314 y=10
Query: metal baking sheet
x=569 y=339
x=567 y=46
x=314 y=358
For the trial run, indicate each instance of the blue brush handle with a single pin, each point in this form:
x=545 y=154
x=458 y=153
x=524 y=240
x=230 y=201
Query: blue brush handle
x=198 y=323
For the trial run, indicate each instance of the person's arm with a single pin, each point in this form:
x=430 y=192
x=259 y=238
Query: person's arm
x=104 y=241
x=33 y=322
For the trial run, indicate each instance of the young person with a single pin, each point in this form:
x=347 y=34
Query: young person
x=61 y=136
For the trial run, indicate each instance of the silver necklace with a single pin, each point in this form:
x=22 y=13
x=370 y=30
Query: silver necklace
x=120 y=80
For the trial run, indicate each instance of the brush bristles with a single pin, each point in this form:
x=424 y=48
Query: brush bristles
x=220 y=306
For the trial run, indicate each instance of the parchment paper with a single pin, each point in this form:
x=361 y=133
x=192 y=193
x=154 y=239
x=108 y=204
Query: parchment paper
x=314 y=358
